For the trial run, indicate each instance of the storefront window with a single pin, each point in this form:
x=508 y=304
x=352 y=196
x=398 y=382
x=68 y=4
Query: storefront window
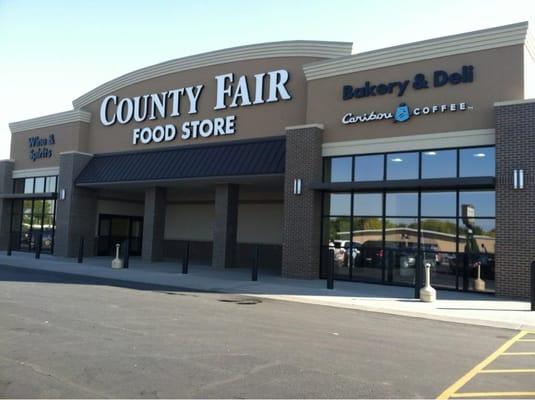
x=337 y=204
x=401 y=247
x=484 y=202
x=442 y=204
x=402 y=166
x=338 y=169
x=477 y=161
x=439 y=164
x=401 y=204
x=369 y=168
x=28 y=185
x=365 y=204
x=51 y=184
x=39 y=186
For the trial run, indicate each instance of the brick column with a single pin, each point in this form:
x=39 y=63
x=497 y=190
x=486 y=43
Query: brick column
x=153 y=224
x=302 y=213
x=76 y=214
x=225 y=225
x=6 y=186
x=515 y=209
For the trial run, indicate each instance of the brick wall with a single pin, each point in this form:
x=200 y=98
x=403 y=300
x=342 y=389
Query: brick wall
x=302 y=213
x=515 y=209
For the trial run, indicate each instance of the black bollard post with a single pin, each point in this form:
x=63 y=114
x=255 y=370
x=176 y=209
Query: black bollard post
x=330 y=272
x=38 y=240
x=254 y=270
x=9 y=243
x=533 y=286
x=126 y=253
x=185 y=259
x=81 y=250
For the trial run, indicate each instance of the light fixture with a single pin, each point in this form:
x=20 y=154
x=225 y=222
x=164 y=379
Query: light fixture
x=480 y=155
x=397 y=159
x=430 y=153
x=297 y=186
x=62 y=194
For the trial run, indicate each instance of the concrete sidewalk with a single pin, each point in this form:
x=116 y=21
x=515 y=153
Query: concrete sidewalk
x=468 y=308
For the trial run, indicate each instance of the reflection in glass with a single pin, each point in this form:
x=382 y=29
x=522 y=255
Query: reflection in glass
x=369 y=168
x=365 y=204
x=336 y=237
x=337 y=204
x=439 y=164
x=440 y=204
x=338 y=169
x=402 y=166
x=28 y=185
x=477 y=161
x=476 y=254
x=401 y=244
x=484 y=202
x=51 y=184
x=401 y=204
x=367 y=249
x=39 y=186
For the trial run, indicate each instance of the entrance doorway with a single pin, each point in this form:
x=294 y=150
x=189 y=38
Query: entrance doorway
x=113 y=229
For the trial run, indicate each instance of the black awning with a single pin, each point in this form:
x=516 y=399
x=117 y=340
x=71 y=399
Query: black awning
x=249 y=157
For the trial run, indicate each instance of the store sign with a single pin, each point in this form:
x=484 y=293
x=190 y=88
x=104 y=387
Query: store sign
x=403 y=113
x=420 y=81
x=39 y=146
x=231 y=92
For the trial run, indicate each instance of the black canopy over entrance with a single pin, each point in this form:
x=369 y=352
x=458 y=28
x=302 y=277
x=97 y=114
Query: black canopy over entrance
x=246 y=157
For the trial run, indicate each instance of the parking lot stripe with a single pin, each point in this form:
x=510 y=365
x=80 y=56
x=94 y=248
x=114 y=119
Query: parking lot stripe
x=521 y=353
x=446 y=394
x=526 y=340
x=506 y=371
x=492 y=394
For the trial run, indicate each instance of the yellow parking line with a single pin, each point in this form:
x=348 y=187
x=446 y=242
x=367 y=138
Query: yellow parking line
x=492 y=394
x=520 y=353
x=505 y=371
x=446 y=394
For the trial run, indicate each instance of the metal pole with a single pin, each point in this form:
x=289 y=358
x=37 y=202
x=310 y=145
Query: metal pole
x=81 y=250
x=330 y=272
x=38 y=246
x=185 y=260
x=254 y=271
x=9 y=243
x=126 y=250
x=533 y=286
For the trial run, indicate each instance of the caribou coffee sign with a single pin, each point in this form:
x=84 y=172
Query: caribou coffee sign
x=403 y=113
x=231 y=92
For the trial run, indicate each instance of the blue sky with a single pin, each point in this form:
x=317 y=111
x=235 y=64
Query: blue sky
x=54 y=51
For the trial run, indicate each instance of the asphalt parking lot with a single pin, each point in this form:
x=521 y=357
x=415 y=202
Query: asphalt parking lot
x=73 y=336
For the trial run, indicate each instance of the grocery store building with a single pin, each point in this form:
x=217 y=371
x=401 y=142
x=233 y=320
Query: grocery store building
x=379 y=162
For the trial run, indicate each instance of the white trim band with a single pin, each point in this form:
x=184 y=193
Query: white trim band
x=30 y=173
x=502 y=36
x=306 y=126
x=294 y=48
x=513 y=102
x=50 y=120
x=476 y=137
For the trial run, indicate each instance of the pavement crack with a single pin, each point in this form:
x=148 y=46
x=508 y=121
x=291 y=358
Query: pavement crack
x=38 y=370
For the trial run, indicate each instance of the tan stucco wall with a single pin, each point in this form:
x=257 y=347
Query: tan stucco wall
x=498 y=75
x=252 y=121
x=260 y=223
x=71 y=136
x=189 y=221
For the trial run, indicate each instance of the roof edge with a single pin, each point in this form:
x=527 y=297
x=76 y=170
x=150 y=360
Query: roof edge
x=50 y=120
x=294 y=48
x=501 y=36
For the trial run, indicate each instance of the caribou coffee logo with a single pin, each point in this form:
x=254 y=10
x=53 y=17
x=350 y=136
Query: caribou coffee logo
x=403 y=113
